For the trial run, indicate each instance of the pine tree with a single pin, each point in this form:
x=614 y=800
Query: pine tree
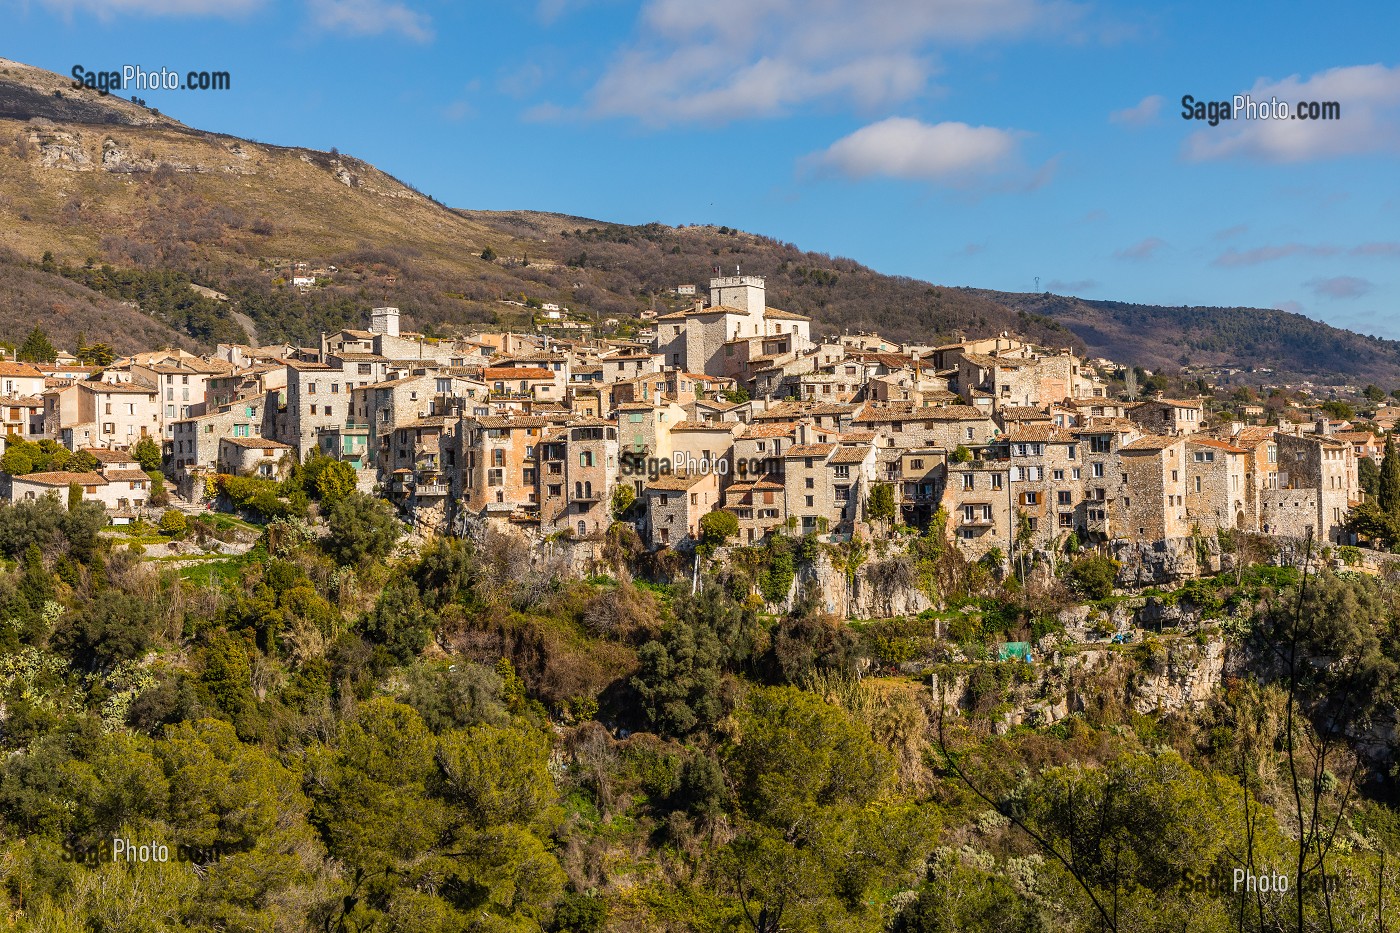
x=1390 y=479
x=37 y=348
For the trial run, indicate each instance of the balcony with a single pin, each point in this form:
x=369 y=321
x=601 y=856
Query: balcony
x=978 y=521
x=355 y=427
x=430 y=490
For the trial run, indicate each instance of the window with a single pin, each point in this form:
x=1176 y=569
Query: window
x=843 y=493
x=1073 y=451
x=1097 y=471
x=810 y=483
x=843 y=471
x=916 y=464
x=1064 y=497
x=996 y=480
x=1205 y=456
x=1100 y=444
x=809 y=501
x=1066 y=519
x=495 y=477
x=967 y=480
x=585 y=458
x=1058 y=475
x=1030 y=498
x=311 y=388
x=1198 y=485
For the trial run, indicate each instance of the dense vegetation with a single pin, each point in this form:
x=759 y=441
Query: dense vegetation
x=323 y=734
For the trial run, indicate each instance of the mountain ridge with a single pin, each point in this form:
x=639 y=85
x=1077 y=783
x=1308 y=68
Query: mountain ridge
x=100 y=180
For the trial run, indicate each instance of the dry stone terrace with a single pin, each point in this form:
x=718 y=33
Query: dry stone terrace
x=1009 y=445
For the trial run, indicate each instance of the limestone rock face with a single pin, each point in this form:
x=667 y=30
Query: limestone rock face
x=1158 y=563
x=879 y=589
x=59 y=149
x=1184 y=680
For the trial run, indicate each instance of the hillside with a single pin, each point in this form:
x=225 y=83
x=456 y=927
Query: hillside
x=100 y=181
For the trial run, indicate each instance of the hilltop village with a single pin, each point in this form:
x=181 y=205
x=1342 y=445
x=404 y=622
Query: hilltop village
x=728 y=405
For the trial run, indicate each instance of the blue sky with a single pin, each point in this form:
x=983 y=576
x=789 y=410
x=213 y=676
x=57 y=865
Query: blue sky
x=968 y=142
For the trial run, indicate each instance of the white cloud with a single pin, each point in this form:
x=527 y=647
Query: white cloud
x=732 y=59
x=1142 y=113
x=900 y=147
x=1144 y=249
x=1233 y=258
x=1369 y=96
x=370 y=18
x=1341 y=286
x=1292 y=307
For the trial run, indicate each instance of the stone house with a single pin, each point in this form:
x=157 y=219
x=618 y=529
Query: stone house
x=105 y=414
x=644 y=428
x=1169 y=416
x=704 y=442
x=759 y=505
x=808 y=480
x=675 y=504
x=922 y=473
x=1150 y=502
x=498 y=464
x=1324 y=465
x=1217 y=485
x=694 y=340
x=194 y=443
x=421 y=468
x=578 y=469
x=253 y=456
x=977 y=498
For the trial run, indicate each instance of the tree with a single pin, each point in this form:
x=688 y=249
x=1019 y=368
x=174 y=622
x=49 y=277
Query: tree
x=16 y=461
x=488 y=254
x=335 y=481
x=1338 y=409
x=37 y=348
x=1092 y=577
x=96 y=354
x=961 y=454
x=716 y=528
x=361 y=528
x=1388 y=496
x=678 y=680
x=1374 y=393
x=1369 y=476
x=880 y=506
x=622 y=499
x=812 y=832
x=146 y=452
x=173 y=523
